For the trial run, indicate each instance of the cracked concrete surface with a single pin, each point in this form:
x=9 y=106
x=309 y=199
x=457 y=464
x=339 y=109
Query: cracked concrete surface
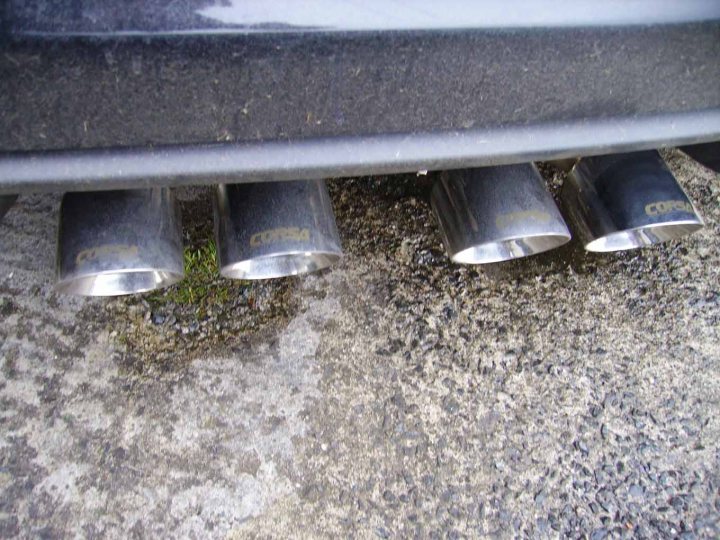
x=567 y=394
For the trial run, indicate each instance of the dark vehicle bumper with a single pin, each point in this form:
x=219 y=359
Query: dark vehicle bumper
x=112 y=101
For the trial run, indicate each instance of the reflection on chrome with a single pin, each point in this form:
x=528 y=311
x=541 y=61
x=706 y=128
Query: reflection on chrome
x=449 y=14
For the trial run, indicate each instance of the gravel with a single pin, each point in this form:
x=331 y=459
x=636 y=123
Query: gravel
x=396 y=395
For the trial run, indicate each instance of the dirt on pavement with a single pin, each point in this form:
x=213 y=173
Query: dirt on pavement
x=395 y=395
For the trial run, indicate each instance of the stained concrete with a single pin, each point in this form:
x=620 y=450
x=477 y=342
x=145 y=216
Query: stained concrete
x=567 y=394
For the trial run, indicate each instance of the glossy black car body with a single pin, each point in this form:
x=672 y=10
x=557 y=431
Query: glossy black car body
x=97 y=94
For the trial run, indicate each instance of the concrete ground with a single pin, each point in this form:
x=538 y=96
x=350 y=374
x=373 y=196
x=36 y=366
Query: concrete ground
x=397 y=395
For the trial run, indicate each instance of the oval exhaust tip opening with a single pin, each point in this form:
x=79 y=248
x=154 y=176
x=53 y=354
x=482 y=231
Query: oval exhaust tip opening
x=275 y=229
x=642 y=236
x=496 y=214
x=511 y=248
x=279 y=265
x=112 y=243
x=118 y=283
x=626 y=201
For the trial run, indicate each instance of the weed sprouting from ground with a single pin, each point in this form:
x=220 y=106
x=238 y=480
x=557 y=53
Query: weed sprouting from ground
x=202 y=287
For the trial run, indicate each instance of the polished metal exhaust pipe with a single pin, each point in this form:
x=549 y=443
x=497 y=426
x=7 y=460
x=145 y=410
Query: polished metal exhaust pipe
x=6 y=202
x=496 y=214
x=625 y=201
x=275 y=229
x=119 y=242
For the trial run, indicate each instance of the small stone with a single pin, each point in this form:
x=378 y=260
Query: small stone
x=405 y=253
x=455 y=512
x=677 y=502
x=665 y=479
x=604 y=495
x=450 y=404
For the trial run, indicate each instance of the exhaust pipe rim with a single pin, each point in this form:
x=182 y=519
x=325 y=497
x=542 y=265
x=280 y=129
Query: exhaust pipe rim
x=502 y=249
x=279 y=265
x=108 y=283
x=635 y=239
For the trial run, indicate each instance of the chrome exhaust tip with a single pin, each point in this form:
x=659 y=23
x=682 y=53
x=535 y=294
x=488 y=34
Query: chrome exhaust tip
x=112 y=243
x=275 y=229
x=626 y=201
x=6 y=202
x=496 y=214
